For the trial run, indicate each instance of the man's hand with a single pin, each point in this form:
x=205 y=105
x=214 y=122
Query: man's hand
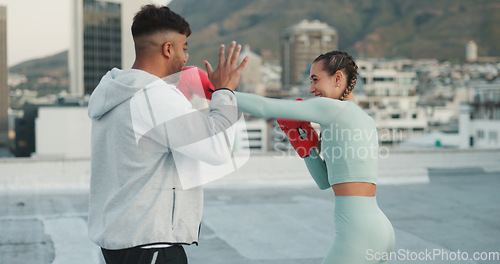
x=227 y=74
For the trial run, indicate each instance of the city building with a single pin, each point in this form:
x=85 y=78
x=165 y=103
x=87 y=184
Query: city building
x=24 y=124
x=300 y=45
x=253 y=136
x=101 y=40
x=271 y=79
x=97 y=45
x=471 y=51
x=390 y=98
x=251 y=76
x=479 y=121
x=4 y=87
x=68 y=137
x=471 y=54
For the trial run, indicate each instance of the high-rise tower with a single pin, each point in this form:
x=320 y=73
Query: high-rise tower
x=300 y=45
x=97 y=43
x=4 y=87
x=471 y=51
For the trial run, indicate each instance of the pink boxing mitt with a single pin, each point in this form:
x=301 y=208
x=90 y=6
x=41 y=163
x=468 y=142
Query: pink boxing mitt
x=194 y=81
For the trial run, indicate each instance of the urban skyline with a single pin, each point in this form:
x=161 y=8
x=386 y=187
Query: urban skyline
x=437 y=174
x=388 y=91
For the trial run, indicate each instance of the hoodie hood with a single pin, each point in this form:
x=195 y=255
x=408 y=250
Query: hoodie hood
x=116 y=87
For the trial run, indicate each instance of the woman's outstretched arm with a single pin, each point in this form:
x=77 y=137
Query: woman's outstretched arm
x=318 y=110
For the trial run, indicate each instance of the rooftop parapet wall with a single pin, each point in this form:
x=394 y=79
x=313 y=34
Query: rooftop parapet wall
x=53 y=175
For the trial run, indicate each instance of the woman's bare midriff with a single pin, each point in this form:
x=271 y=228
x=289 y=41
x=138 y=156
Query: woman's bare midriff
x=354 y=189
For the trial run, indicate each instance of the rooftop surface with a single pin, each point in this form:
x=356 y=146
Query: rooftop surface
x=442 y=202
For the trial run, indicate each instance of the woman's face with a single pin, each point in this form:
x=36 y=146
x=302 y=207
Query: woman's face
x=323 y=85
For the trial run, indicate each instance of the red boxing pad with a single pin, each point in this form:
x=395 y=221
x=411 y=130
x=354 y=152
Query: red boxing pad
x=194 y=80
x=288 y=123
x=304 y=144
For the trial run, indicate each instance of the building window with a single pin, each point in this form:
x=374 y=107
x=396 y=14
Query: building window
x=394 y=104
x=493 y=136
x=364 y=105
x=406 y=81
x=395 y=116
x=480 y=134
x=383 y=79
x=414 y=116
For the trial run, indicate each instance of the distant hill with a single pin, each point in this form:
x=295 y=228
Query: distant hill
x=54 y=65
x=367 y=28
x=48 y=75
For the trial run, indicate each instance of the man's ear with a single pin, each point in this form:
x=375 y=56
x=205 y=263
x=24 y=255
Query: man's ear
x=167 y=49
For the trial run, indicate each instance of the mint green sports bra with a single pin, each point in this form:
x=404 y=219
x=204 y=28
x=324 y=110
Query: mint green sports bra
x=349 y=141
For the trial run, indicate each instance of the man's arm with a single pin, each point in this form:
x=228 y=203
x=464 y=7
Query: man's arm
x=174 y=125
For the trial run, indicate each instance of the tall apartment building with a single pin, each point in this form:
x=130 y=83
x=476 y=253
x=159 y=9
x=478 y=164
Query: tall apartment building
x=97 y=26
x=471 y=51
x=102 y=41
x=300 y=45
x=97 y=43
x=4 y=87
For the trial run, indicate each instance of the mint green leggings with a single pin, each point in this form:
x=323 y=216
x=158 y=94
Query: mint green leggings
x=362 y=232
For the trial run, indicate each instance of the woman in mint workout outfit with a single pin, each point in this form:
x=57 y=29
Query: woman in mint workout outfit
x=349 y=156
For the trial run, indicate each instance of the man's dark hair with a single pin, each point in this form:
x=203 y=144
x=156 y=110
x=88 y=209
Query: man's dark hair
x=151 y=19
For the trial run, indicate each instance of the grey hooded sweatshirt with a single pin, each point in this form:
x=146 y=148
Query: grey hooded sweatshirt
x=140 y=127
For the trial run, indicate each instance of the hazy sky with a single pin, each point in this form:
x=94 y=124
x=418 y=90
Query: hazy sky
x=37 y=28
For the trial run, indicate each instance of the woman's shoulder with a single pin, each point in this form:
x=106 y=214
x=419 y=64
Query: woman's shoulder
x=330 y=104
x=349 y=109
x=326 y=100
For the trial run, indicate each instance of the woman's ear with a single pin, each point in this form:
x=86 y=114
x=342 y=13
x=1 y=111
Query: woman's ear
x=338 y=77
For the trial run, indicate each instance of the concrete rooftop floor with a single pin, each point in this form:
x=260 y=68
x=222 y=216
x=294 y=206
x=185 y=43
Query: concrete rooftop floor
x=271 y=212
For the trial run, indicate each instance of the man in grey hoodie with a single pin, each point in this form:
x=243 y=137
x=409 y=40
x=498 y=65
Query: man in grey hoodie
x=142 y=129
